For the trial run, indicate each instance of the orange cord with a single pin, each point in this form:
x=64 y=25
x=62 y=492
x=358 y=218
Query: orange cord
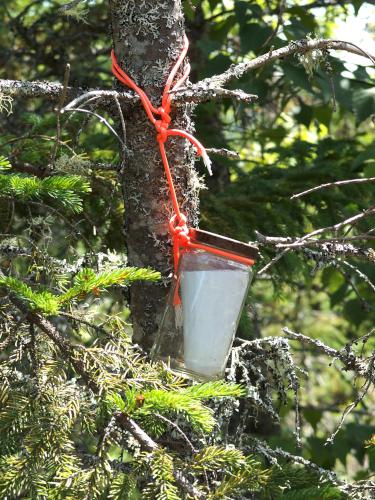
x=178 y=223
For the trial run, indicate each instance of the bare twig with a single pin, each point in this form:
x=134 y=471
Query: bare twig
x=219 y=14
x=350 y=362
x=78 y=319
x=144 y=439
x=351 y=406
x=47 y=90
x=332 y=185
x=201 y=92
x=104 y=94
x=100 y=118
x=363 y=276
x=58 y=109
x=178 y=429
x=123 y=125
x=50 y=90
x=273 y=453
x=280 y=12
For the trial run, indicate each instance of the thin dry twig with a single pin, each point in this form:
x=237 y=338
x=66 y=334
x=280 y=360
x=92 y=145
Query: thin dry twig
x=58 y=110
x=122 y=119
x=100 y=118
x=346 y=355
x=178 y=429
x=331 y=247
x=363 y=276
x=350 y=362
x=332 y=185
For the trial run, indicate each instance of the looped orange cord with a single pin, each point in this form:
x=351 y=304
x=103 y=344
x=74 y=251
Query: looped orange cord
x=161 y=119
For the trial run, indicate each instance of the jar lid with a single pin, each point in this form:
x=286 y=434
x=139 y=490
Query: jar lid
x=224 y=243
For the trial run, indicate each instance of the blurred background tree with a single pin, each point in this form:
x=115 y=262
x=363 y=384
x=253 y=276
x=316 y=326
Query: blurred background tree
x=313 y=123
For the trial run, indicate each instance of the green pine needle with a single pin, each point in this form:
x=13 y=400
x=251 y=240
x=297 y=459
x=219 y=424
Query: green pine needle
x=4 y=164
x=163 y=486
x=185 y=401
x=216 y=389
x=167 y=402
x=219 y=458
x=67 y=190
x=86 y=282
x=43 y=301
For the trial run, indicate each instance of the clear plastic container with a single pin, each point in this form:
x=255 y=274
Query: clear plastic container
x=196 y=336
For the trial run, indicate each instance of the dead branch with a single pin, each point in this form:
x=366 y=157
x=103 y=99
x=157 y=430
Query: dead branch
x=332 y=185
x=42 y=172
x=298 y=47
x=327 y=247
x=334 y=228
x=361 y=367
x=202 y=92
x=52 y=91
x=47 y=90
x=346 y=356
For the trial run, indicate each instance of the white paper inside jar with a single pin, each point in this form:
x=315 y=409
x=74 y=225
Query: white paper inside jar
x=212 y=300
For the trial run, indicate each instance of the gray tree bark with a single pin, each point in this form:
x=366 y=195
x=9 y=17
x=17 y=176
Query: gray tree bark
x=148 y=38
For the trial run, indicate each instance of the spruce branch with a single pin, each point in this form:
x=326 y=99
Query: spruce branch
x=69 y=353
x=38 y=301
x=66 y=349
x=52 y=91
x=67 y=190
x=194 y=93
x=86 y=282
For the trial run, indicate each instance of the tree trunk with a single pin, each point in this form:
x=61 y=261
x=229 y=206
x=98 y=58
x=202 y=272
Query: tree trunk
x=148 y=38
